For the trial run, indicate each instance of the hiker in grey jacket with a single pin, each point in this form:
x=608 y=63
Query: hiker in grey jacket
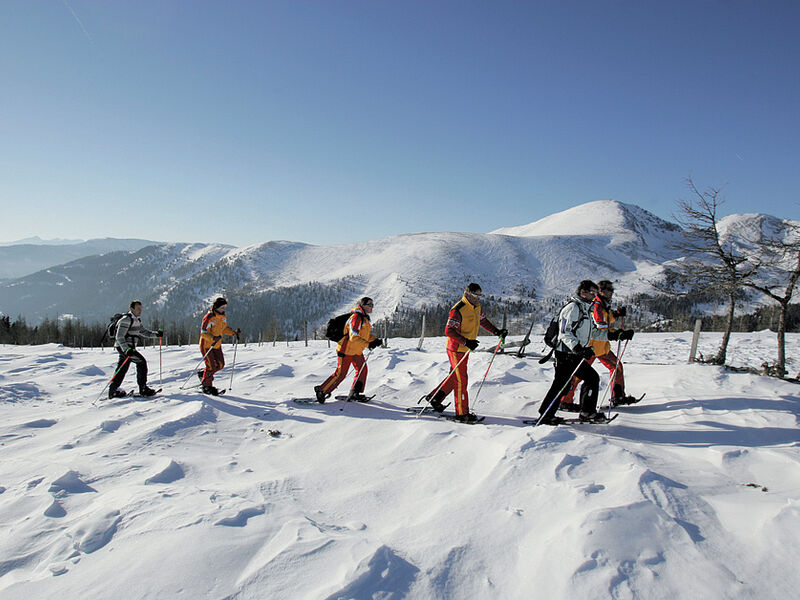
x=129 y=332
x=575 y=328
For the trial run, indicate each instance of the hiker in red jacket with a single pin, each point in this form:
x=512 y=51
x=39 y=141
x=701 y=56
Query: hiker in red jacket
x=463 y=323
x=356 y=337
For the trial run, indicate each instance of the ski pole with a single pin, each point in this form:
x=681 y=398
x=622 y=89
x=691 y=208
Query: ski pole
x=613 y=374
x=453 y=370
x=160 y=379
x=474 y=404
x=558 y=395
x=112 y=379
x=194 y=371
x=233 y=366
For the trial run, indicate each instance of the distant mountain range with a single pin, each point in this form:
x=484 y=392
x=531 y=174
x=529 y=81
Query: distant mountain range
x=33 y=254
x=290 y=282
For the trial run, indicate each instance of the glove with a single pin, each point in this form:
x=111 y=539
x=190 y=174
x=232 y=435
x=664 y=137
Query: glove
x=503 y=333
x=375 y=343
x=620 y=312
x=587 y=352
x=613 y=334
x=160 y=333
x=626 y=334
x=471 y=344
x=130 y=351
x=238 y=333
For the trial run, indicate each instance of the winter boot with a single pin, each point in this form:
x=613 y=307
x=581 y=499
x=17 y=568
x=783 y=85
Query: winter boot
x=321 y=396
x=147 y=391
x=211 y=390
x=617 y=395
x=357 y=398
x=116 y=393
x=356 y=394
x=595 y=417
x=436 y=401
x=467 y=418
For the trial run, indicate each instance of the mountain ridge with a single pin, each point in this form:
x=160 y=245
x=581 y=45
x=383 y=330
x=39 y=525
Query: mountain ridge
x=540 y=261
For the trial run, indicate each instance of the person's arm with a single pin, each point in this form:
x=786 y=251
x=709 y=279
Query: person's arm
x=453 y=327
x=355 y=328
x=488 y=325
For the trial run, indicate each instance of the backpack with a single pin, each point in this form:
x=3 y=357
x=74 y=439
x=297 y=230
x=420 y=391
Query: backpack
x=111 y=328
x=551 y=333
x=334 y=331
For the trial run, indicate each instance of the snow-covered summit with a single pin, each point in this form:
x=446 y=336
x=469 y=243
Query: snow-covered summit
x=623 y=223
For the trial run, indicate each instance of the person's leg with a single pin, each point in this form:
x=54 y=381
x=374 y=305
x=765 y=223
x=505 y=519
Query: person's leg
x=141 y=370
x=591 y=383
x=459 y=381
x=611 y=363
x=360 y=378
x=565 y=367
x=122 y=369
x=342 y=367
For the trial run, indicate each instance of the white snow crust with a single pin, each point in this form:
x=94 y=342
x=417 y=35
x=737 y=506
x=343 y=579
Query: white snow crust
x=693 y=493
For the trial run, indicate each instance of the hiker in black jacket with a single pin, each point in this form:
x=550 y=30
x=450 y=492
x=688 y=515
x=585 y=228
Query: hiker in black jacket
x=129 y=331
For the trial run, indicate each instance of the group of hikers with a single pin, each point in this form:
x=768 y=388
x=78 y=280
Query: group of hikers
x=129 y=332
x=586 y=325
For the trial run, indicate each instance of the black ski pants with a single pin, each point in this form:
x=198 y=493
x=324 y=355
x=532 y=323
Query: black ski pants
x=122 y=369
x=566 y=364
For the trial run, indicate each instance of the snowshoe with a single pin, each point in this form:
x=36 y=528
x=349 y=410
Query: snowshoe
x=355 y=398
x=210 y=390
x=147 y=391
x=116 y=394
x=468 y=418
x=552 y=421
x=625 y=400
x=569 y=406
x=595 y=417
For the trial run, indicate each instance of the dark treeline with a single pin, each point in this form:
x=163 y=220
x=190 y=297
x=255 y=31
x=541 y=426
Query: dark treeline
x=283 y=314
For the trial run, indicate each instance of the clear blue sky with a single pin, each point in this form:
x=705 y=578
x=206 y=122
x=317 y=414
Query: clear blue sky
x=331 y=121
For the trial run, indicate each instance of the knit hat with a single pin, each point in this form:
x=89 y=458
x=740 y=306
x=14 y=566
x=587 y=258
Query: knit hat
x=219 y=302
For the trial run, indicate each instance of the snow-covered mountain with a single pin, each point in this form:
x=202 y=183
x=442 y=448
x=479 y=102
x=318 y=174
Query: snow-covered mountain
x=27 y=256
x=542 y=260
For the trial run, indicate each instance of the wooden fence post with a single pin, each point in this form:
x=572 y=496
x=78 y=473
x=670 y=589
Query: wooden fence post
x=693 y=352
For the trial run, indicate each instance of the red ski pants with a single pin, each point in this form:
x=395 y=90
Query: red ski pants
x=214 y=362
x=457 y=381
x=342 y=367
x=609 y=359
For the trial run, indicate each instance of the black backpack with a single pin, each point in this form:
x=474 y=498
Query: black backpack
x=111 y=329
x=335 y=328
x=551 y=333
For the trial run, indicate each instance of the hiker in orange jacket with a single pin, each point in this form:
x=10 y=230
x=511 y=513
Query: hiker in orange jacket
x=604 y=318
x=357 y=336
x=463 y=324
x=213 y=327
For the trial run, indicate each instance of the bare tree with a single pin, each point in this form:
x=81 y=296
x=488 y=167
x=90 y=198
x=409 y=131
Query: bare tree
x=780 y=257
x=712 y=264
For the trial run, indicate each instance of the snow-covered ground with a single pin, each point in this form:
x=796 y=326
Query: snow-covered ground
x=694 y=493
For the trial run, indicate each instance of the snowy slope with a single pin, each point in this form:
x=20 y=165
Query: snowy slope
x=190 y=496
